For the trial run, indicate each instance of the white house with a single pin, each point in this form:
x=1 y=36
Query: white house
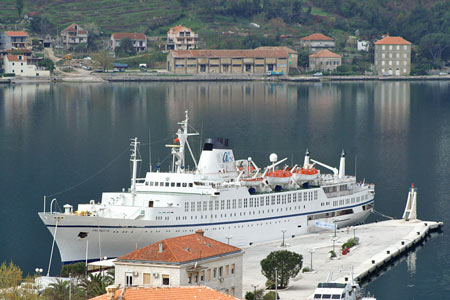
x=188 y=260
x=139 y=40
x=363 y=46
x=14 y=40
x=18 y=65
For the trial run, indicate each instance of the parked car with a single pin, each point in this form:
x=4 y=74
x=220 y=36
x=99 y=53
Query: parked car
x=99 y=70
x=442 y=73
x=387 y=74
x=318 y=74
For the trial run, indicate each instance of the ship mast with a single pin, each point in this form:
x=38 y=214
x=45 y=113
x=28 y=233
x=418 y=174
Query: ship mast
x=134 y=159
x=179 y=163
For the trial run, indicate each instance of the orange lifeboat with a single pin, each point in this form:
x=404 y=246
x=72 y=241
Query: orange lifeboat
x=278 y=177
x=304 y=174
x=252 y=181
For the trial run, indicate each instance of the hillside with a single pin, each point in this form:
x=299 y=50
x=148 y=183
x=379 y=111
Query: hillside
x=228 y=23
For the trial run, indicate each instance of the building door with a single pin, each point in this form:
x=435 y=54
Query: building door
x=397 y=71
x=202 y=68
x=248 y=68
x=390 y=71
x=270 y=67
x=147 y=278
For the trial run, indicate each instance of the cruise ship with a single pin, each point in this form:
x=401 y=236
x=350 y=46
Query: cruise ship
x=232 y=200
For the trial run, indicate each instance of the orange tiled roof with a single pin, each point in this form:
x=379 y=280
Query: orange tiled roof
x=12 y=57
x=181 y=249
x=392 y=40
x=172 y=293
x=325 y=54
x=317 y=37
x=16 y=33
x=131 y=36
x=178 y=28
x=273 y=52
x=71 y=28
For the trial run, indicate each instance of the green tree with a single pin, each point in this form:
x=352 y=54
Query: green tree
x=125 y=48
x=12 y=286
x=41 y=25
x=47 y=63
x=95 y=284
x=435 y=46
x=19 y=6
x=287 y=263
x=57 y=291
x=76 y=269
x=104 y=59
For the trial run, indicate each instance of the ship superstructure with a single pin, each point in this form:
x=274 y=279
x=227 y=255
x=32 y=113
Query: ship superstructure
x=233 y=201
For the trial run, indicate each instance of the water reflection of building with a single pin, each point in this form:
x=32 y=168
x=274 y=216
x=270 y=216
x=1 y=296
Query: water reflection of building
x=392 y=106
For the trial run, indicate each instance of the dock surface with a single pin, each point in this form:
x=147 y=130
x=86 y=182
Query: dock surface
x=378 y=243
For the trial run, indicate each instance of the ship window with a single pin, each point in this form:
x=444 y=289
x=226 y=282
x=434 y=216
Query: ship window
x=336 y=297
x=273 y=200
x=315 y=195
x=326 y=296
x=261 y=201
x=186 y=206
x=205 y=205
x=191 y=184
x=289 y=198
x=216 y=205
x=156 y=183
x=234 y=203
x=150 y=203
x=161 y=184
x=317 y=296
x=192 y=206
x=222 y=204
x=283 y=199
x=267 y=200
x=199 y=206
x=228 y=204
x=172 y=184
x=251 y=202
x=240 y=203
x=245 y=202
x=167 y=184
x=178 y=184
x=278 y=199
x=211 y=205
x=184 y=184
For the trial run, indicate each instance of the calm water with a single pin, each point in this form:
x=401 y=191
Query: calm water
x=53 y=137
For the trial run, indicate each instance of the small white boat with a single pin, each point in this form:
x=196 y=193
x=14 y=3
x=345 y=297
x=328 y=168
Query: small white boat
x=303 y=175
x=278 y=177
x=334 y=290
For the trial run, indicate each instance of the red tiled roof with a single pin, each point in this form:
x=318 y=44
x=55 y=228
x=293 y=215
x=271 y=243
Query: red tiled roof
x=12 y=57
x=181 y=249
x=273 y=52
x=71 y=28
x=316 y=37
x=178 y=28
x=131 y=36
x=16 y=33
x=325 y=54
x=392 y=40
x=166 y=293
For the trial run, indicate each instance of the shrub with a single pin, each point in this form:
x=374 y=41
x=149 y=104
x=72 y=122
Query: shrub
x=306 y=269
x=77 y=269
x=350 y=243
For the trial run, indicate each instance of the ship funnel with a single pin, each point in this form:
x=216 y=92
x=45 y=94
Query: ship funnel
x=342 y=165
x=306 y=161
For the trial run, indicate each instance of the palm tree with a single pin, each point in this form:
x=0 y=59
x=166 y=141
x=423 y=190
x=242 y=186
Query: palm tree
x=95 y=284
x=57 y=291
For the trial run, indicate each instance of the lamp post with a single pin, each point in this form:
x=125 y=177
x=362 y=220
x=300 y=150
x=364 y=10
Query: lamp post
x=335 y=228
x=354 y=233
x=283 y=231
x=311 y=251
x=276 y=285
x=334 y=239
x=228 y=237
x=70 y=286
x=254 y=291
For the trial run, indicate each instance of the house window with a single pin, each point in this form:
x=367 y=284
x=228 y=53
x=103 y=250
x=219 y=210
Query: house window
x=129 y=279
x=202 y=276
x=225 y=67
x=383 y=47
x=147 y=278
x=390 y=47
x=405 y=47
x=215 y=273
x=209 y=274
x=248 y=68
x=220 y=271
x=202 y=68
x=232 y=268
x=227 y=270
x=165 y=280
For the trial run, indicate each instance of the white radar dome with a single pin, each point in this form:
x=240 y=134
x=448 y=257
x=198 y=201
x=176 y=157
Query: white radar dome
x=273 y=157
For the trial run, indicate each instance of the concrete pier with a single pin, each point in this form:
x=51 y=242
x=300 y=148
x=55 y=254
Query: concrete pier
x=379 y=243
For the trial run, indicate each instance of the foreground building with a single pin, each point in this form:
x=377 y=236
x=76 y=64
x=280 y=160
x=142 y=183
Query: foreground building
x=139 y=40
x=255 y=61
x=18 y=65
x=172 y=293
x=74 y=35
x=324 y=60
x=181 y=38
x=182 y=261
x=393 y=56
x=14 y=40
x=316 y=42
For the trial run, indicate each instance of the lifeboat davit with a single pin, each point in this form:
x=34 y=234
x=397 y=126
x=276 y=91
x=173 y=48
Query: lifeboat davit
x=303 y=174
x=278 y=177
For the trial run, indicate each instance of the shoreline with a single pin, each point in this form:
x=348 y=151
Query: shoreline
x=113 y=77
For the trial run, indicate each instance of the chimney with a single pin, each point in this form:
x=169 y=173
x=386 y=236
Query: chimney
x=200 y=232
x=111 y=291
x=160 y=247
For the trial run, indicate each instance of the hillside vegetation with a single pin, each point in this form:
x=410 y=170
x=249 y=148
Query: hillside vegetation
x=227 y=23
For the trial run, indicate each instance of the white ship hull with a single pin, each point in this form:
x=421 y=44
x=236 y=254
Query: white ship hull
x=112 y=237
